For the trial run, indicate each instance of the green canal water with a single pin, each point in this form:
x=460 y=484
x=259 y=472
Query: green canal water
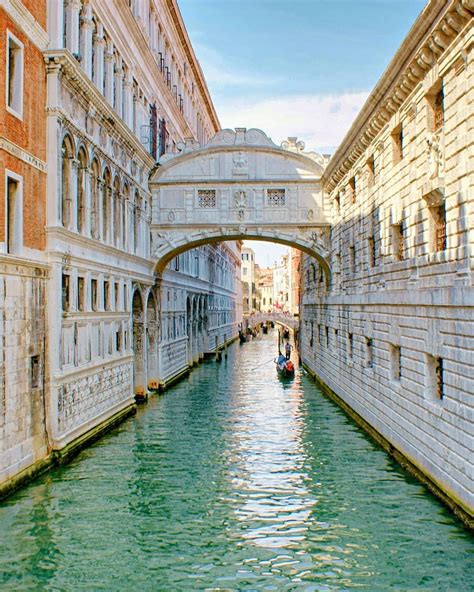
x=233 y=480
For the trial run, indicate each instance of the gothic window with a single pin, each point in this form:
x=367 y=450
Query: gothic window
x=117 y=207
x=136 y=220
x=67 y=155
x=81 y=190
x=207 y=198
x=95 y=202
x=276 y=197
x=106 y=204
x=125 y=202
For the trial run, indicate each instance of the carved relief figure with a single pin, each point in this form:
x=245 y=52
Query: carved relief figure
x=435 y=156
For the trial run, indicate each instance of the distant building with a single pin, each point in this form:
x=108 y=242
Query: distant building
x=248 y=275
x=265 y=289
x=281 y=284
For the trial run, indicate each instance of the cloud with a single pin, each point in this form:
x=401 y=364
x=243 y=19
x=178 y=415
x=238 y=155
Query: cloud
x=321 y=121
x=219 y=73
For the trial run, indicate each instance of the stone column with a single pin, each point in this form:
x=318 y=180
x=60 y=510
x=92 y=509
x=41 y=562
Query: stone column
x=56 y=24
x=87 y=28
x=109 y=73
x=73 y=8
x=99 y=49
x=128 y=100
x=118 y=74
x=100 y=213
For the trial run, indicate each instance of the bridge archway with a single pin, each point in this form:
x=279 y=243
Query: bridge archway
x=239 y=186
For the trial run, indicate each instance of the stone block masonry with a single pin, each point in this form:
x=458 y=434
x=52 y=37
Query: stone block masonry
x=392 y=332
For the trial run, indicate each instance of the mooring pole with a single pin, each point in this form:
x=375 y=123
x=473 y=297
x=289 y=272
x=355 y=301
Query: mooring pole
x=225 y=346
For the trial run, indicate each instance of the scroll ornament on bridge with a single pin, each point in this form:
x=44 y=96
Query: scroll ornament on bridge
x=320 y=242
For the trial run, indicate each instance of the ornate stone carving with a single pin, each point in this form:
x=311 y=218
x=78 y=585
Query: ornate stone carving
x=435 y=155
x=240 y=164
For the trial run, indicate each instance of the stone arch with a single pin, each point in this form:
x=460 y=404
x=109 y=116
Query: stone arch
x=240 y=186
x=125 y=214
x=152 y=341
x=138 y=323
x=67 y=157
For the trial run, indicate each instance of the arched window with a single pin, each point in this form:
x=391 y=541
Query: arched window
x=125 y=205
x=105 y=204
x=95 y=201
x=81 y=190
x=136 y=221
x=67 y=155
x=117 y=210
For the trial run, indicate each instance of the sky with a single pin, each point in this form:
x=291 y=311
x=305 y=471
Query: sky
x=295 y=67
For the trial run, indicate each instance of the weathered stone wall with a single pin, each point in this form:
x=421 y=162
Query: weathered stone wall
x=23 y=369
x=392 y=334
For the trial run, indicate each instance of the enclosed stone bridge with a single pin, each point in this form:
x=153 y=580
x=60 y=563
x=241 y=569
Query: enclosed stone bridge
x=239 y=186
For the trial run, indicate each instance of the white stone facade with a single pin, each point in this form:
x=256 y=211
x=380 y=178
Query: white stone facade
x=392 y=333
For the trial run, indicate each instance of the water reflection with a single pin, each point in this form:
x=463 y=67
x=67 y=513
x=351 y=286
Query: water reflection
x=234 y=480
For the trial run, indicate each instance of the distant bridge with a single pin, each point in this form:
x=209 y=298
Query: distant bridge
x=279 y=318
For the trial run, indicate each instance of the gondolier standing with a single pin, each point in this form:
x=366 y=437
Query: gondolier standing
x=288 y=348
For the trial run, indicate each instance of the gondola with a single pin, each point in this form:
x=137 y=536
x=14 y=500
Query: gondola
x=285 y=369
x=265 y=329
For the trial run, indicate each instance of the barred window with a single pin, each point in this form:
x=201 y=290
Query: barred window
x=276 y=197
x=207 y=198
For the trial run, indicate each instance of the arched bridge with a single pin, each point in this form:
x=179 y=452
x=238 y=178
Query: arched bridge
x=239 y=186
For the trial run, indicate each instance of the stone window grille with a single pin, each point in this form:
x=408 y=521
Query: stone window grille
x=438 y=216
x=207 y=198
x=438 y=110
x=336 y=338
x=435 y=383
x=398 y=241
x=352 y=259
x=369 y=346
x=35 y=371
x=276 y=198
x=396 y=362
x=326 y=328
x=350 y=345
x=371 y=250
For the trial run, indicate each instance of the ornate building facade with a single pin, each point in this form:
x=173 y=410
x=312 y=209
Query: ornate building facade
x=122 y=88
x=24 y=375
x=391 y=334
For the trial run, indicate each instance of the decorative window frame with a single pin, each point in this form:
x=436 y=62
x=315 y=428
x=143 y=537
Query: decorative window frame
x=278 y=200
x=20 y=75
x=206 y=199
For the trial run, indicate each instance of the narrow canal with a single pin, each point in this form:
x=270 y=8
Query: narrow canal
x=233 y=480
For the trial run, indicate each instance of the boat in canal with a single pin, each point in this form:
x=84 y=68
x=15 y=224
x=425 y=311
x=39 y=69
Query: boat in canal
x=285 y=368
